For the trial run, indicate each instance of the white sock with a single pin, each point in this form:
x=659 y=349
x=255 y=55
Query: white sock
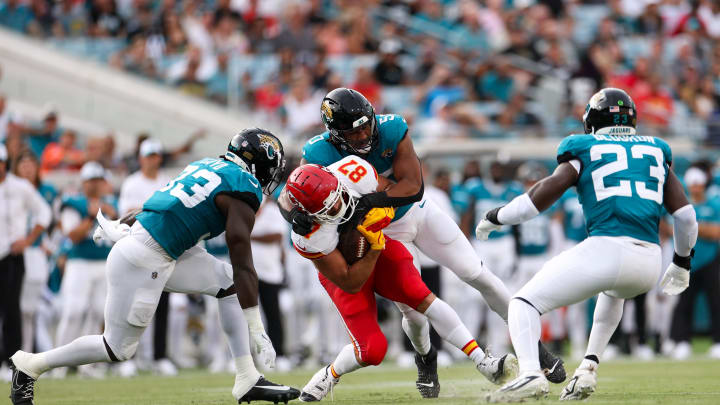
x=448 y=325
x=588 y=364
x=83 y=350
x=417 y=330
x=524 y=324
x=246 y=375
x=608 y=312
x=234 y=325
x=345 y=362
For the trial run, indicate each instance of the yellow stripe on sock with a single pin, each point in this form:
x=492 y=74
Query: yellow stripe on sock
x=332 y=371
x=468 y=348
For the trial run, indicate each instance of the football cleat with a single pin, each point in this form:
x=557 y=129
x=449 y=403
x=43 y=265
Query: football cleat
x=319 y=386
x=22 y=388
x=265 y=390
x=580 y=386
x=427 y=383
x=551 y=365
x=499 y=369
x=532 y=384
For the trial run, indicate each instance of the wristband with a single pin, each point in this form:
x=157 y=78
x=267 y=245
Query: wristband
x=683 y=262
x=252 y=316
x=492 y=215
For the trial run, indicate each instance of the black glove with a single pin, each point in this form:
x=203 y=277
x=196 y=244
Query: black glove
x=301 y=222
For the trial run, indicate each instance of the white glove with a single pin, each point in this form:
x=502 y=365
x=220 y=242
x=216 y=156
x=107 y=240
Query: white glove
x=484 y=227
x=260 y=345
x=109 y=231
x=675 y=280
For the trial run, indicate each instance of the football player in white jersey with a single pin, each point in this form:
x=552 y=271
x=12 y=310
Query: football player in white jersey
x=329 y=195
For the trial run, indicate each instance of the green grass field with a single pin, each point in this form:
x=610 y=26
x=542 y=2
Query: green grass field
x=621 y=382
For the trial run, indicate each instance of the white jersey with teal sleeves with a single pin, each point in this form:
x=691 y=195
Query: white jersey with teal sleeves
x=392 y=129
x=486 y=195
x=621 y=180
x=183 y=213
x=573 y=218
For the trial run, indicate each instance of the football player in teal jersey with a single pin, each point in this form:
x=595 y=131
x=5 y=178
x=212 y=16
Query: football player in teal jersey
x=623 y=181
x=160 y=252
x=353 y=128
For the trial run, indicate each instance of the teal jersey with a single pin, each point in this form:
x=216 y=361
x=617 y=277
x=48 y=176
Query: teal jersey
x=534 y=235
x=87 y=249
x=705 y=249
x=621 y=182
x=392 y=129
x=484 y=195
x=217 y=246
x=573 y=218
x=183 y=213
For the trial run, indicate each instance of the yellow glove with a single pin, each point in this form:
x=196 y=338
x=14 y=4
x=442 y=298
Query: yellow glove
x=376 y=239
x=378 y=218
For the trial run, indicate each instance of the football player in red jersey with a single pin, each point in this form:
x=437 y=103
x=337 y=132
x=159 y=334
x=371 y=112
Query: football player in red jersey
x=329 y=195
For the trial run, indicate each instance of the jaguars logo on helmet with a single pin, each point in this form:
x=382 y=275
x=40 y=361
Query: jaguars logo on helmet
x=261 y=153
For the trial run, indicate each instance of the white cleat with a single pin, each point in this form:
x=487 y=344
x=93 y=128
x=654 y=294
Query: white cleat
x=319 y=386
x=499 y=369
x=165 y=367
x=580 y=386
x=530 y=384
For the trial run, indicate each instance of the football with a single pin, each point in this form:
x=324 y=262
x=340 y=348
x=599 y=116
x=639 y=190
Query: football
x=352 y=245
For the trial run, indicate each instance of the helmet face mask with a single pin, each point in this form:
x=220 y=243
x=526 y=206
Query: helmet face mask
x=316 y=191
x=350 y=119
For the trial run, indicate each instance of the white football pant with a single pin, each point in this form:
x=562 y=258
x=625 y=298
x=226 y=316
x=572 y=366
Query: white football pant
x=34 y=284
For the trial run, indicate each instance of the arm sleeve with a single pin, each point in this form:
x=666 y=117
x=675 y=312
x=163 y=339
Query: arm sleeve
x=685 y=230
x=39 y=208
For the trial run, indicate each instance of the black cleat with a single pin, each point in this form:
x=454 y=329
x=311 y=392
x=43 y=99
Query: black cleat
x=552 y=366
x=22 y=389
x=427 y=383
x=265 y=390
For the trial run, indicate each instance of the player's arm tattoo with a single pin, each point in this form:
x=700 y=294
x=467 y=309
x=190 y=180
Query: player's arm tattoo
x=240 y=218
x=551 y=188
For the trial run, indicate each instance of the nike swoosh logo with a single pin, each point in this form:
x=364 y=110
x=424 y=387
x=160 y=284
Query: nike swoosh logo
x=432 y=384
x=550 y=370
x=571 y=387
x=520 y=384
x=274 y=388
x=254 y=183
x=15 y=385
x=423 y=204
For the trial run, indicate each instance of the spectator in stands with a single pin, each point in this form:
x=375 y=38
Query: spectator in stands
x=20 y=205
x=226 y=36
x=359 y=37
x=134 y=58
x=296 y=33
x=655 y=106
x=105 y=20
x=331 y=38
x=63 y=155
x=388 y=71
x=70 y=19
x=169 y=157
x=366 y=84
x=300 y=108
x=217 y=86
x=516 y=116
x=43 y=20
x=494 y=81
x=48 y=131
x=15 y=15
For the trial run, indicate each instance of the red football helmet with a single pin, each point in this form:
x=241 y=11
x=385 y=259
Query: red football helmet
x=316 y=190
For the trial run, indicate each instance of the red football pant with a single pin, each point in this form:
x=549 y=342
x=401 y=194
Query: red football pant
x=395 y=278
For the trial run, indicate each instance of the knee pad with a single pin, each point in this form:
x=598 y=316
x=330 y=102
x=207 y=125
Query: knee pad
x=375 y=348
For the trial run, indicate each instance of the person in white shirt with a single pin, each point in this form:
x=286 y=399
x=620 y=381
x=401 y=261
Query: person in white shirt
x=19 y=202
x=267 y=250
x=139 y=186
x=135 y=190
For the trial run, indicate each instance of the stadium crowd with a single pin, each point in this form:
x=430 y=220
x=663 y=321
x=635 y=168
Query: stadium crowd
x=464 y=67
x=453 y=68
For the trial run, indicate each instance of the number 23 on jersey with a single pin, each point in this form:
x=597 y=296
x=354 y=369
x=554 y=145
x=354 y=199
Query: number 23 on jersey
x=624 y=189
